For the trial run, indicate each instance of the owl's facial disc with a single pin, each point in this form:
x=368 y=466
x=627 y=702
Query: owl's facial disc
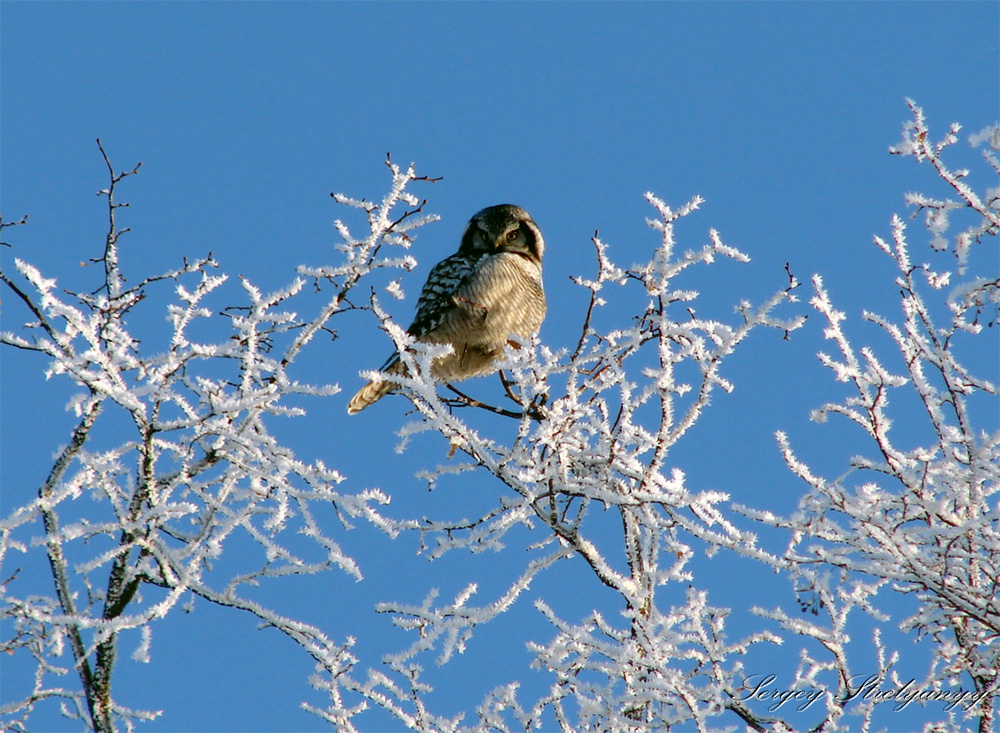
x=503 y=228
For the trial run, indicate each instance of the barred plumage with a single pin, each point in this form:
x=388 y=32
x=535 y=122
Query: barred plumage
x=476 y=298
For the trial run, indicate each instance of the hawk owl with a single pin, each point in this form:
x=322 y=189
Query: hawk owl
x=475 y=299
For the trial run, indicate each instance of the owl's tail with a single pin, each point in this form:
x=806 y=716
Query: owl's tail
x=374 y=391
x=369 y=394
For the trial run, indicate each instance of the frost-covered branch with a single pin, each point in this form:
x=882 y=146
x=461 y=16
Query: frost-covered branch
x=917 y=143
x=197 y=470
x=918 y=515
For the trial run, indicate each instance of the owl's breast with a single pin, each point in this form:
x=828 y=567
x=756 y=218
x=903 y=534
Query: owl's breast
x=508 y=297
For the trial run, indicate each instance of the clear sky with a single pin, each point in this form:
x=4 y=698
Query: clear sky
x=247 y=115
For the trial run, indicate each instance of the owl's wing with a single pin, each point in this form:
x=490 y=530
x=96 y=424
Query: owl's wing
x=436 y=301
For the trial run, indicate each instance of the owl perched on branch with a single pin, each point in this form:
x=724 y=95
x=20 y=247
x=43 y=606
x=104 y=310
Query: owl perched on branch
x=475 y=299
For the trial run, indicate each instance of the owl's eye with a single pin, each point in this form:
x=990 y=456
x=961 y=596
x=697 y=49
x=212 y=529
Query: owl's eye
x=511 y=236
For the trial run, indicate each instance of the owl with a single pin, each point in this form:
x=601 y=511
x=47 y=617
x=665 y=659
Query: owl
x=475 y=299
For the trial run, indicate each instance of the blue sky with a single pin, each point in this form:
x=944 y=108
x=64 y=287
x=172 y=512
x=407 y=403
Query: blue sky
x=247 y=115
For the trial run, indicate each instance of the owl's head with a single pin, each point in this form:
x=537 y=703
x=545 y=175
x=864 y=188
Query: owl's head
x=504 y=228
